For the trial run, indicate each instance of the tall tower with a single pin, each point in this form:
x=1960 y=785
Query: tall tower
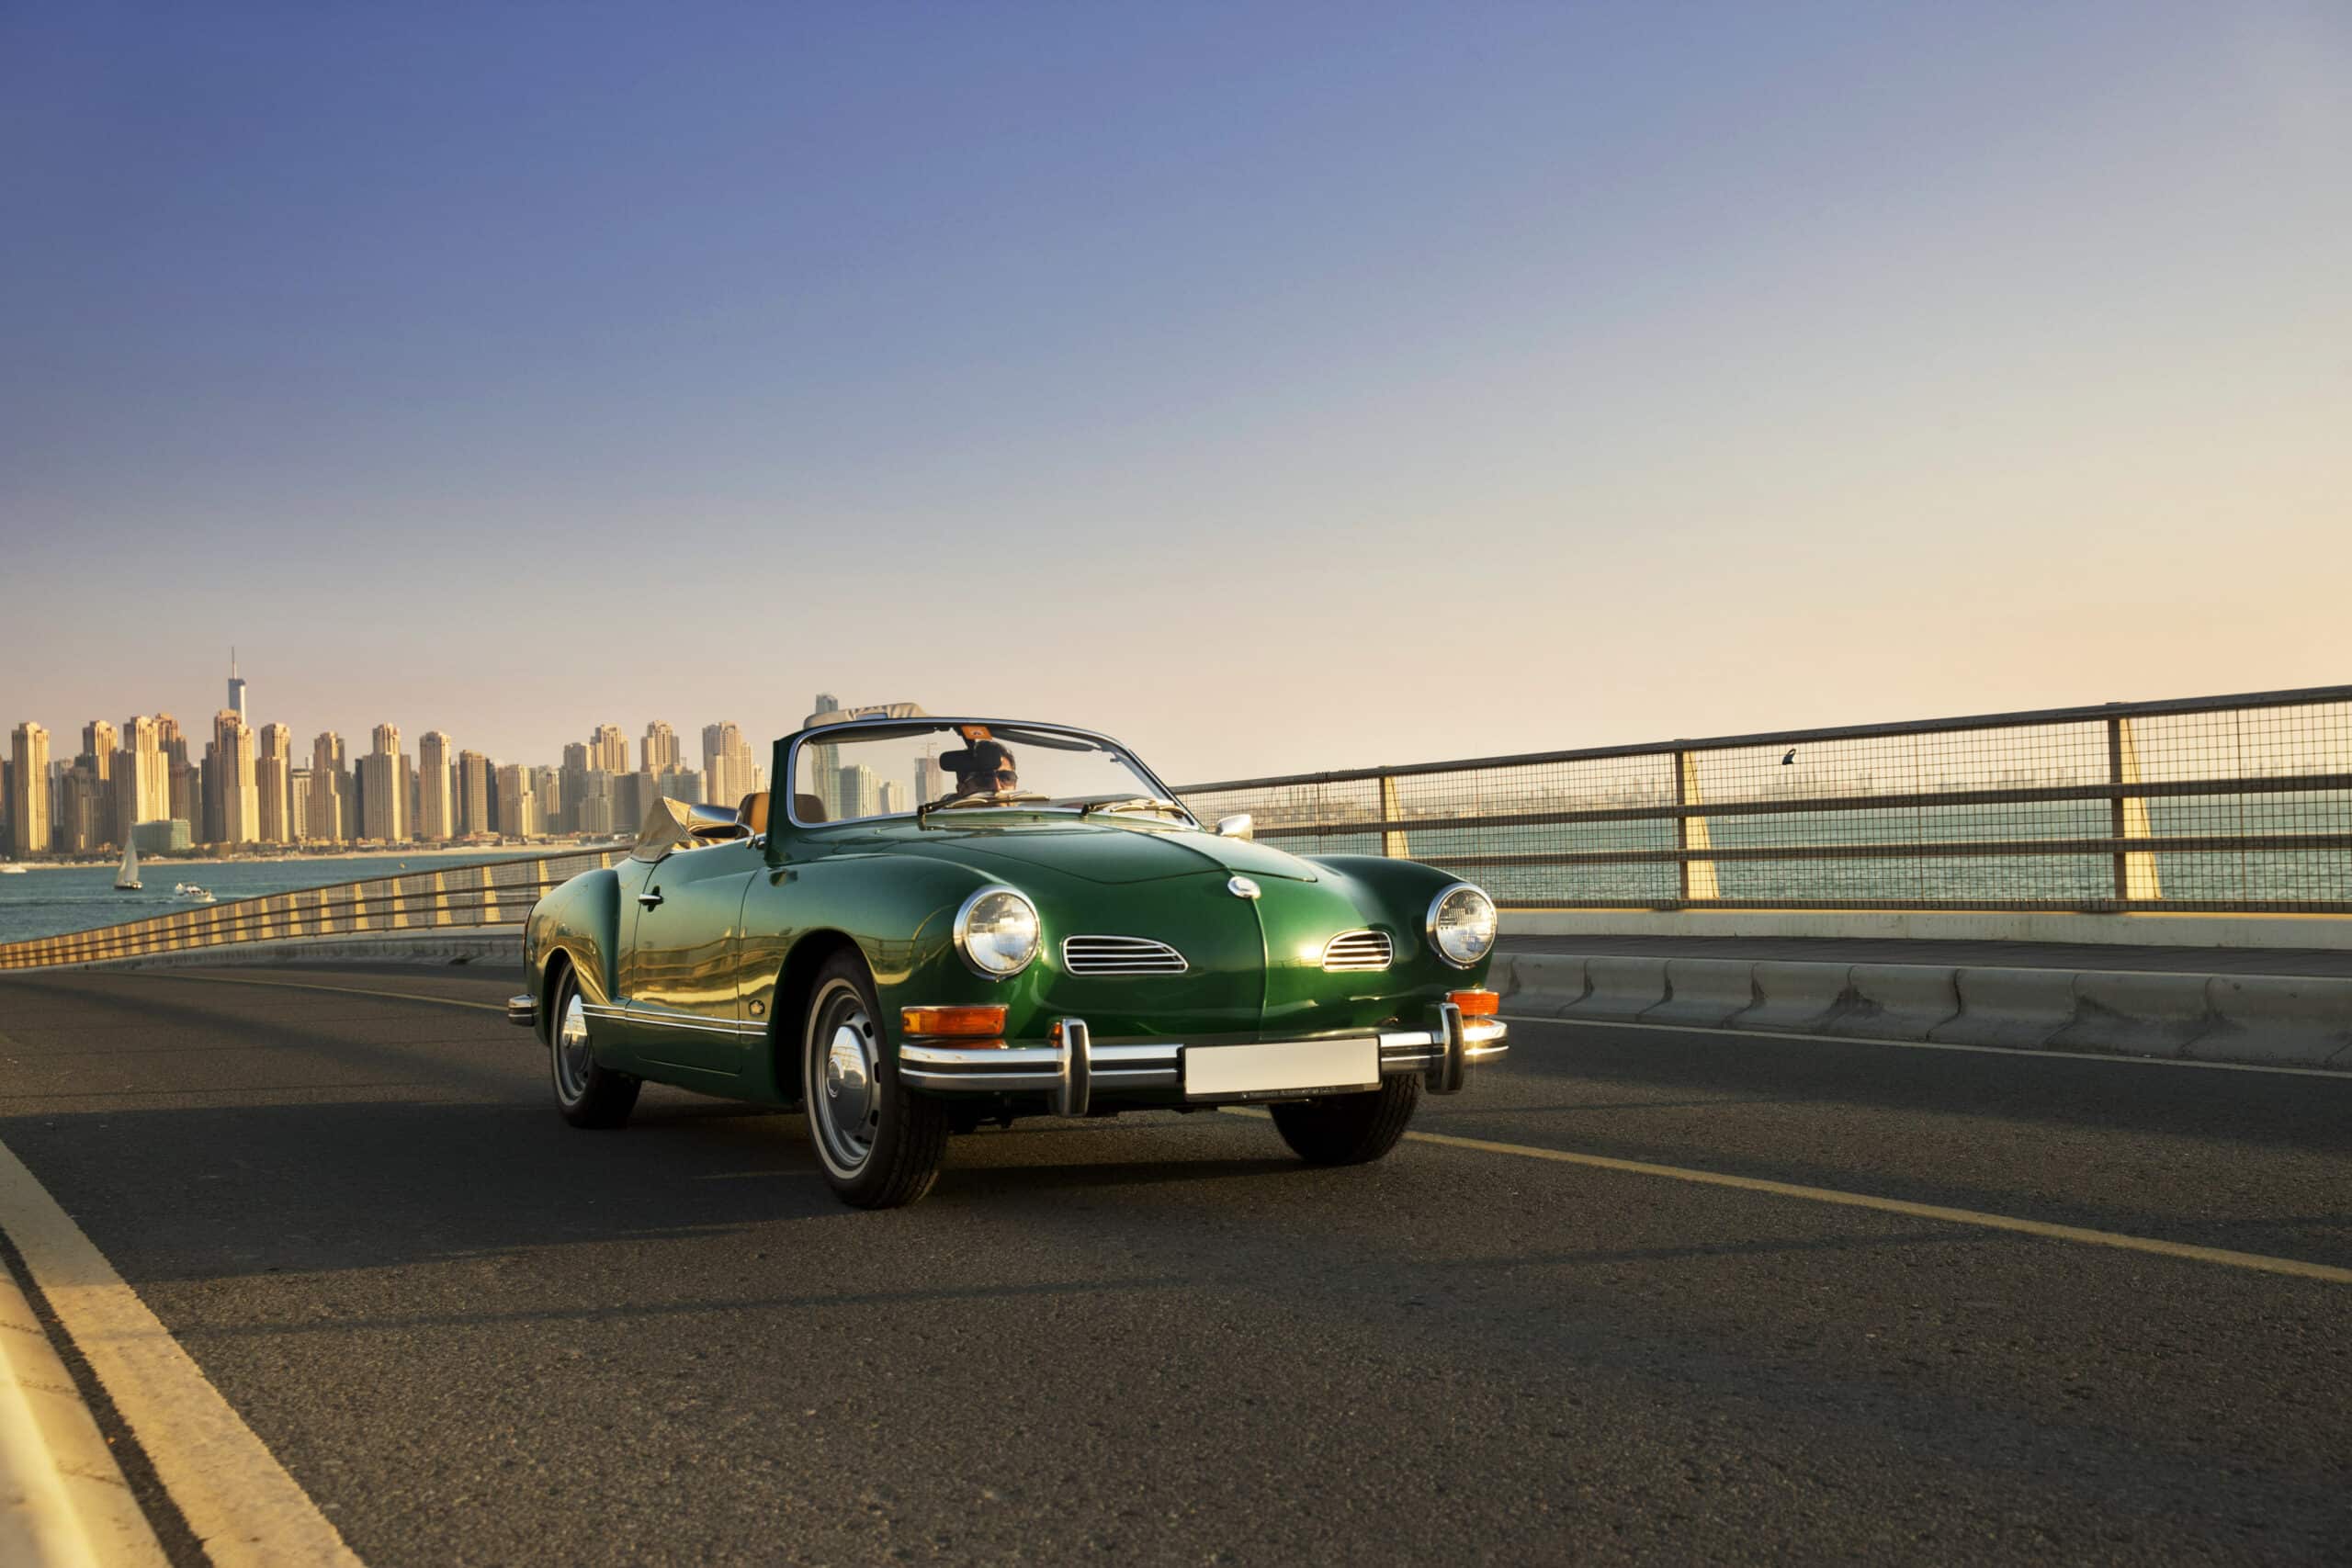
x=436 y=813
x=608 y=749
x=28 y=791
x=274 y=780
x=660 y=748
x=824 y=774
x=236 y=689
x=328 y=796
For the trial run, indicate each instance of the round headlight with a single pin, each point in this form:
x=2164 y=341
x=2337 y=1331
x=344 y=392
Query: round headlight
x=1462 y=925
x=996 y=930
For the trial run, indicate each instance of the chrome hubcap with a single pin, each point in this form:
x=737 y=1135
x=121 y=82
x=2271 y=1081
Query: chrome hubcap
x=571 y=1054
x=847 y=1106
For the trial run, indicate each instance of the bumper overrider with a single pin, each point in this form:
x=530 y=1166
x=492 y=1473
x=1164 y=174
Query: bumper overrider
x=1071 y=1070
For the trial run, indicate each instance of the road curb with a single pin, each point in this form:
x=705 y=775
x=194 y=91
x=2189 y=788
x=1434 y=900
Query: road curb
x=63 y=1501
x=2254 y=1019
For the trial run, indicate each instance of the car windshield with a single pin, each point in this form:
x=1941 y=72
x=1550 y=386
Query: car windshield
x=915 y=768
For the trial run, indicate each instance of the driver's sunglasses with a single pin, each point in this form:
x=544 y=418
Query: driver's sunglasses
x=1005 y=775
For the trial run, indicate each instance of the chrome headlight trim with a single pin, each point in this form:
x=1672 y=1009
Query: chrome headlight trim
x=1429 y=924
x=962 y=943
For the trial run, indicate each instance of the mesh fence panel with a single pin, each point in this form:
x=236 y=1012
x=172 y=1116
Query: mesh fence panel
x=2222 y=804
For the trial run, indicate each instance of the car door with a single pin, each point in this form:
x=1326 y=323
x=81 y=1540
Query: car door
x=680 y=970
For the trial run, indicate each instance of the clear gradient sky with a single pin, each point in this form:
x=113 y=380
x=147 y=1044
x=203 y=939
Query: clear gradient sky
x=1277 y=387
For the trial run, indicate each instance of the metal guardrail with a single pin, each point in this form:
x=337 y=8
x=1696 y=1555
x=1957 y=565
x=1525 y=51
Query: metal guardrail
x=2207 y=803
x=490 y=893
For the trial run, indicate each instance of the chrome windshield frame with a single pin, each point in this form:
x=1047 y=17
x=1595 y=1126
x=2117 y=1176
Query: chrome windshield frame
x=825 y=734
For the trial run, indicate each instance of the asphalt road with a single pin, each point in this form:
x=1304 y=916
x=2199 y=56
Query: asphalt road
x=474 y=1334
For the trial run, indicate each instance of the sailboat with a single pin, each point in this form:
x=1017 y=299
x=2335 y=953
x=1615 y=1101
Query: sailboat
x=127 y=879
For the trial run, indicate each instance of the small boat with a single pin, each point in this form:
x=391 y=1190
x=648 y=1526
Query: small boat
x=127 y=879
x=192 y=894
x=12 y=869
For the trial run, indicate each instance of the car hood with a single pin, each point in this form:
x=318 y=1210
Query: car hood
x=1096 y=851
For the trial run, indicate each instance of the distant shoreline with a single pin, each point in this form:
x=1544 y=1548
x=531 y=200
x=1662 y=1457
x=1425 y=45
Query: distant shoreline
x=439 y=851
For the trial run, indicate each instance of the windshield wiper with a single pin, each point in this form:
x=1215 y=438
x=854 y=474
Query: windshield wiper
x=1133 y=803
x=972 y=801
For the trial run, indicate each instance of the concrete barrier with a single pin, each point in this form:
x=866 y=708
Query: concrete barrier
x=1538 y=983
x=2018 y=1007
x=489 y=947
x=2254 y=1019
x=1620 y=988
x=2282 y=1018
x=1704 y=991
x=2144 y=1014
x=1896 y=1001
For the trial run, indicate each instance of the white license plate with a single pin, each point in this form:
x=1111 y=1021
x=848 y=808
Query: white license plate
x=1291 y=1066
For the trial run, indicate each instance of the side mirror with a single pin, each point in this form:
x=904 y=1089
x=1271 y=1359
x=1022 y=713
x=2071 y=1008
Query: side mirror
x=1238 y=826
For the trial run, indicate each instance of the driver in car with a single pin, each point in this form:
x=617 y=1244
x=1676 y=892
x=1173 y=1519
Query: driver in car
x=986 y=769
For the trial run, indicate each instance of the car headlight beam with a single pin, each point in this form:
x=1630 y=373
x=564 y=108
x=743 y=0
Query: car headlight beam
x=1462 y=925
x=996 y=933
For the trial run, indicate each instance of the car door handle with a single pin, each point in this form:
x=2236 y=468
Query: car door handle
x=650 y=899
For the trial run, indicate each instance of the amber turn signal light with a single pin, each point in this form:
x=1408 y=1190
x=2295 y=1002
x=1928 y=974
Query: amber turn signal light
x=964 y=1023
x=1476 y=1004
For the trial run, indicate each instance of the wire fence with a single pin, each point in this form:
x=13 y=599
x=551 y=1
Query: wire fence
x=2207 y=804
x=2213 y=804
x=497 y=893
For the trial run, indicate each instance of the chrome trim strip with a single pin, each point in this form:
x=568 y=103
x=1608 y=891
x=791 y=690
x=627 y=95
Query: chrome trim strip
x=672 y=1021
x=1477 y=1031
x=979 y=1057
x=1109 y=954
x=984 y=1083
x=1359 y=964
x=1406 y=1037
x=1154 y=1052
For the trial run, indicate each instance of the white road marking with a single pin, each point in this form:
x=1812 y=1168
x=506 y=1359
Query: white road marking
x=2255 y=1261
x=2025 y=1051
x=347 y=990
x=240 y=1502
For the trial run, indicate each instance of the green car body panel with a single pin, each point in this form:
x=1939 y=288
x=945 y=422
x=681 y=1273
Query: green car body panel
x=696 y=964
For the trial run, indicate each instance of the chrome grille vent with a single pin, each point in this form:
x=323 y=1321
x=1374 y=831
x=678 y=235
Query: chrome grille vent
x=1357 y=953
x=1120 y=955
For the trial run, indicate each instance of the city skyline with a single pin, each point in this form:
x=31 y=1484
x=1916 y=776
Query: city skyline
x=246 y=787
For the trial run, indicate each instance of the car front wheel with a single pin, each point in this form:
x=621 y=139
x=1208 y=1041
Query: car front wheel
x=587 y=1095
x=1348 y=1129
x=878 y=1144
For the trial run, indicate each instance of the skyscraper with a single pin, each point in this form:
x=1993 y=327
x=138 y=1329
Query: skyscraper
x=102 y=759
x=518 y=808
x=928 y=785
x=859 y=793
x=436 y=813
x=274 y=780
x=236 y=687
x=825 y=762
x=232 y=786
x=142 y=788
x=725 y=763
x=30 y=791
x=893 y=797
x=608 y=749
x=383 y=789
x=329 y=815
x=473 y=794
x=660 y=749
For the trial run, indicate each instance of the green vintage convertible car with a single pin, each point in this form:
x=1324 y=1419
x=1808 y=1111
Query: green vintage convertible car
x=930 y=923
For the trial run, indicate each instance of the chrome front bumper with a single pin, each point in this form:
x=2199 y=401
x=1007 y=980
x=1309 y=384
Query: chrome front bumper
x=1070 y=1069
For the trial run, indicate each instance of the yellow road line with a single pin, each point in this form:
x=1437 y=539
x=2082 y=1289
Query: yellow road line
x=2255 y=1261
x=235 y=1495
x=347 y=990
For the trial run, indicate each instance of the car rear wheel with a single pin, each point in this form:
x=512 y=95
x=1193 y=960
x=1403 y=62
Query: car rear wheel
x=1349 y=1128
x=587 y=1095
x=878 y=1144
